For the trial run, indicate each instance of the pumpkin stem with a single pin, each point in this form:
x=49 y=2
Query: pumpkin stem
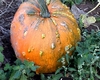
x=44 y=12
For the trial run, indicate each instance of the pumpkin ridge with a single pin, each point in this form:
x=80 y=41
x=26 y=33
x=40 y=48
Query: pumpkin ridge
x=38 y=22
x=63 y=15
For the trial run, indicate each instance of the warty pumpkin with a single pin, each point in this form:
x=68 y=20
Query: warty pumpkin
x=41 y=31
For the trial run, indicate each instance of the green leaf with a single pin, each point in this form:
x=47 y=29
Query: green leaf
x=98 y=19
x=34 y=68
x=78 y=1
x=57 y=76
x=2 y=75
x=43 y=77
x=1 y=57
x=58 y=70
x=28 y=64
x=17 y=75
x=67 y=58
x=16 y=68
x=1 y=71
x=72 y=69
x=79 y=50
x=28 y=71
x=12 y=75
x=23 y=77
x=1 y=49
x=31 y=74
x=80 y=22
x=7 y=67
x=18 y=62
x=80 y=62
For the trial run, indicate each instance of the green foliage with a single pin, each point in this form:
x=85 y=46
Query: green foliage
x=85 y=63
x=71 y=2
x=51 y=77
x=68 y=2
x=2 y=75
x=20 y=71
x=98 y=19
x=78 y=1
x=87 y=57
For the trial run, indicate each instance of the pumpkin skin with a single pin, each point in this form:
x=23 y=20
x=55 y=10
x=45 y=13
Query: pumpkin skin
x=43 y=40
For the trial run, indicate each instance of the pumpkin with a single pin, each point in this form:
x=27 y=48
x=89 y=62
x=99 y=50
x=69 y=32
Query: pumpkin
x=41 y=31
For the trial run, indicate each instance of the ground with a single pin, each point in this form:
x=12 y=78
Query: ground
x=7 y=11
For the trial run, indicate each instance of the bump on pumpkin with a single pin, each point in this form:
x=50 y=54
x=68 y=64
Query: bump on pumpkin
x=53 y=46
x=41 y=53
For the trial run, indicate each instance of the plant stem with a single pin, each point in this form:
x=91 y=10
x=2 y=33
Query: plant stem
x=93 y=8
x=44 y=12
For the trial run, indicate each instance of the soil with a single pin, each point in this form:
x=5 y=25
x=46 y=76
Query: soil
x=7 y=11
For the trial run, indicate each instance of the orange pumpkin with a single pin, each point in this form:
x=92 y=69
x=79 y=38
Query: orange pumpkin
x=41 y=31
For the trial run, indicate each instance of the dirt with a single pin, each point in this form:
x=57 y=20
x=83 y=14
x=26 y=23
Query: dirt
x=7 y=11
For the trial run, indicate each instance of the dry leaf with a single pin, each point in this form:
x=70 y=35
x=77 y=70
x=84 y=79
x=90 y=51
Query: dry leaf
x=88 y=20
x=76 y=11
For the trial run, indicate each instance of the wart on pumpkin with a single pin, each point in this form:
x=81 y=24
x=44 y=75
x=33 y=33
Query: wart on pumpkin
x=68 y=47
x=57 y=35
x=43 y=36
x=23 y=53
x=30 y=49
x=25 y=33
x=41 y=53
x=53 y=46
